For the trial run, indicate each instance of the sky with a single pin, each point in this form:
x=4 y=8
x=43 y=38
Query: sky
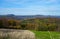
x=30 y=7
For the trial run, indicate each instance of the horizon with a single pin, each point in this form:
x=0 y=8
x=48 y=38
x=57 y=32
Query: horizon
x=31 y=15
x=30 y=7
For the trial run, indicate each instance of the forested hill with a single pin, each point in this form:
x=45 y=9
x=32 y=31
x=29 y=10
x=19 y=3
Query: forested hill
x=31 y=22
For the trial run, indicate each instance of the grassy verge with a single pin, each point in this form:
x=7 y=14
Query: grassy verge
x=47 y=35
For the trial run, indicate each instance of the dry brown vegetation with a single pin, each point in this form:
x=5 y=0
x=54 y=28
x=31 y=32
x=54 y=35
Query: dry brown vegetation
x=16 y=34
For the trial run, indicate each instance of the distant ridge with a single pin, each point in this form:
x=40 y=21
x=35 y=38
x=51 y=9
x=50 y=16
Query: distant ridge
x=19 y=17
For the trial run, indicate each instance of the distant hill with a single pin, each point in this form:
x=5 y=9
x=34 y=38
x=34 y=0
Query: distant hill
x=20 y=17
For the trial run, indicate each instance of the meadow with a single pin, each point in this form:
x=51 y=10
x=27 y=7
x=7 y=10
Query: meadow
x=47 y=35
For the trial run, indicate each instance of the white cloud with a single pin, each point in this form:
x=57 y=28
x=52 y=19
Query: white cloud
x=34 y=8
x=31 y=10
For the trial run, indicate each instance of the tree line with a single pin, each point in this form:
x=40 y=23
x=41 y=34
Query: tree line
x=40 y=24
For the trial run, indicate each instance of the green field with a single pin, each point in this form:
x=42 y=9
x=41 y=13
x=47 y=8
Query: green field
x=47 y=35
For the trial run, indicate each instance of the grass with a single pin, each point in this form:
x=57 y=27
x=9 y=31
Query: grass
x=47 y=35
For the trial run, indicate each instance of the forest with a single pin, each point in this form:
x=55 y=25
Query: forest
x=39 y=24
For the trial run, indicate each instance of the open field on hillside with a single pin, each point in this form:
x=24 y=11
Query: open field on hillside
x=47 y=35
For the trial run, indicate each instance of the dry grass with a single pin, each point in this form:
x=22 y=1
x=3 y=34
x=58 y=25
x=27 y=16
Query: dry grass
x=16 y=34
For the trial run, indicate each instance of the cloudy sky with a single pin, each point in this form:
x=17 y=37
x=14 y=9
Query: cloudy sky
x=30 y=7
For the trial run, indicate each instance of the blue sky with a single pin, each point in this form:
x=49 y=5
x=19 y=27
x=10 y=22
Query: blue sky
x=30 y=7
